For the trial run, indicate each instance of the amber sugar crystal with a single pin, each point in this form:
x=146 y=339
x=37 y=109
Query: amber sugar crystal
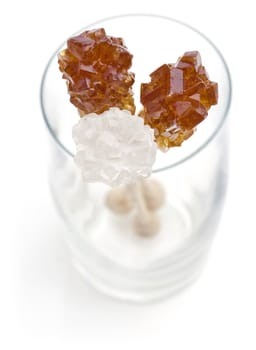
x=177 y=99
x=96 y=69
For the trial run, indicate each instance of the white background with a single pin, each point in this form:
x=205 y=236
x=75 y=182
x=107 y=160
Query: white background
x=43 y=302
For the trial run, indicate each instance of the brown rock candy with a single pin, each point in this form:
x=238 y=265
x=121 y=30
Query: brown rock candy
x=96 y=69
x=177 y=99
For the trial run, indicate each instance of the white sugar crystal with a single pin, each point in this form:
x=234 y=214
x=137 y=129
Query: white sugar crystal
x=114 y=147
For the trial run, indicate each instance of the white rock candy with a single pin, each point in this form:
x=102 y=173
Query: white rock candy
x=114 y=147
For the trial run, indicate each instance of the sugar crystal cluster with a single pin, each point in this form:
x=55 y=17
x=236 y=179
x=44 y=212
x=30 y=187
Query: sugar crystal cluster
x=114 y=148
x=177 y=99
x=96 y=69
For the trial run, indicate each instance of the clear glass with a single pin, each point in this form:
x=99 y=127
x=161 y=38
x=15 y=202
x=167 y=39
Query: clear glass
x=104 y=247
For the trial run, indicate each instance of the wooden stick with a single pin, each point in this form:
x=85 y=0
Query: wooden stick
x=146 y=222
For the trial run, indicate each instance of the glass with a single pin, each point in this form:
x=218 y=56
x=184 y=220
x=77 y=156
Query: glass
x=104 y=247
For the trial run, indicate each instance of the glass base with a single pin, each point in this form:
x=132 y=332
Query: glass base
x=110 y=256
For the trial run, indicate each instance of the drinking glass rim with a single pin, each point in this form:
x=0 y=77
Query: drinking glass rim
x=188 y=26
